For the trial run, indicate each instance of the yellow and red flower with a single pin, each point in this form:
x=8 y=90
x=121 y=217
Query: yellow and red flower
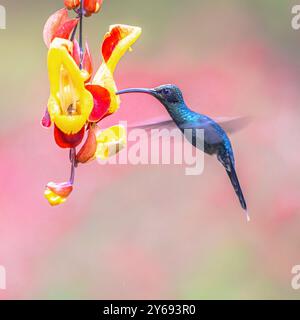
x=77 y=101
x=57 y=193
x=70 y=103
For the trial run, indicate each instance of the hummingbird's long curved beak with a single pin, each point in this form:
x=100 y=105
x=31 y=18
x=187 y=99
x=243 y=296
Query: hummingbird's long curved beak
x=137 y=90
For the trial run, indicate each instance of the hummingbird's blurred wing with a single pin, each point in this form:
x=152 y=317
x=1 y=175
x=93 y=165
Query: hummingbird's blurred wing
x=235 y=124
x=156 y=123
x=230 y=125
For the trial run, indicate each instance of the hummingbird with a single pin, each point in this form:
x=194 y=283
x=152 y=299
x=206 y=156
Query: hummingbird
x=216 y=141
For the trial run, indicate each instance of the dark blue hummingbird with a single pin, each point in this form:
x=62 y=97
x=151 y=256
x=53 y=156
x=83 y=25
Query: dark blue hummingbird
x=216 y=141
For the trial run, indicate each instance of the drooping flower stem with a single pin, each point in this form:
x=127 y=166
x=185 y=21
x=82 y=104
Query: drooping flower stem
x=73 y=150
x=74 y=32
x=73 y=166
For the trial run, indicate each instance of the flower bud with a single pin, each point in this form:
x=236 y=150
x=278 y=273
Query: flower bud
x=88 y=150
x=57 y=193
x=72 y=4
x=92 y=6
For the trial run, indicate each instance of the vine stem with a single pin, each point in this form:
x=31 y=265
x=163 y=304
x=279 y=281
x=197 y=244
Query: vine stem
x=81 y=32
x=73 y=166
x=73 y=150
x=74 y=33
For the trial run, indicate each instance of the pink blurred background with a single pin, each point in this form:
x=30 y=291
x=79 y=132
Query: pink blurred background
x=150 y=232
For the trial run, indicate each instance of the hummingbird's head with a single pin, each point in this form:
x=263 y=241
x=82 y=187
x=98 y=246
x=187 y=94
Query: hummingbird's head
x=167 y=94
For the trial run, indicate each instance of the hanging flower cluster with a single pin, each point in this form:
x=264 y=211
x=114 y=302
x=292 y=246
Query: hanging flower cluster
x=78 y=100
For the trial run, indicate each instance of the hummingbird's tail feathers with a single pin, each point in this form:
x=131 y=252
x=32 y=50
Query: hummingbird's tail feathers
x=236 y=185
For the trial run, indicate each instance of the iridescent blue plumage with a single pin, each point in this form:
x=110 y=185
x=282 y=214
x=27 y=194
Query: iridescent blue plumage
x=216 y=141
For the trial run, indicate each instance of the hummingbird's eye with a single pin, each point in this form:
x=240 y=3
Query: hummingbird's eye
x=166 y=92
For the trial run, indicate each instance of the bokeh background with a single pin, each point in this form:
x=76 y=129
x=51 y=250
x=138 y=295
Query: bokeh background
x=150 y=232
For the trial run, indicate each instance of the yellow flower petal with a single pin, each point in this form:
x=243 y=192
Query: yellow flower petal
x=70 y=104
x=104 y=78
x=116 y=42
x=110 y=142
x=53 y=198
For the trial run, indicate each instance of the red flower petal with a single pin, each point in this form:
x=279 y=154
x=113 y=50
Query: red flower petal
x=61 y=189
x=76 y=52
x=92 y=6
x=101 y=102
x=87 y=62
x=46 y=121
x=68 y=140
x=89 y=148
x=110 y=42
x=53 y=23
x=72 y=4
x=64 y=31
